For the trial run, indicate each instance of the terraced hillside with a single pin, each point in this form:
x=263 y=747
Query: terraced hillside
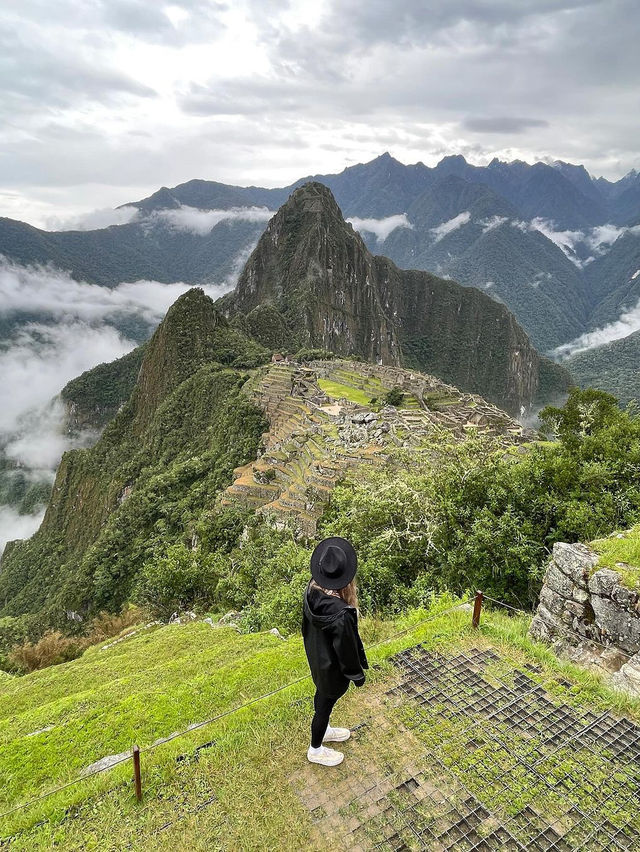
x=329 y=416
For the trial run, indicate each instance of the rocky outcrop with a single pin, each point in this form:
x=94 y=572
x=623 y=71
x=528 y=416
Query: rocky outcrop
x=317 y=273
x=588 y=614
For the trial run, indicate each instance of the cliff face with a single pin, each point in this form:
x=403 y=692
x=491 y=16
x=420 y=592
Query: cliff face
x=334 y=294
x=313 y=267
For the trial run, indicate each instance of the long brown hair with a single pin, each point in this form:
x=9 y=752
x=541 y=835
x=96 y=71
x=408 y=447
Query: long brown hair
x=349 y=593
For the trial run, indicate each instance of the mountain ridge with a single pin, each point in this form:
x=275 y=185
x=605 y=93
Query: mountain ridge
x=313 y=268
x=166 y=243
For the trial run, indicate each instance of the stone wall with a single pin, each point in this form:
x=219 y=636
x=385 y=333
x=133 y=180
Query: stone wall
x=580 y=602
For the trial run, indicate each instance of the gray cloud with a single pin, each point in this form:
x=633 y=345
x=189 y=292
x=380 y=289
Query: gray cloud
x=37 y=75
x=503 y=124
x=253 y=92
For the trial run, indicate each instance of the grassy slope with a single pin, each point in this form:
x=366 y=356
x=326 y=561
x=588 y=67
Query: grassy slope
x=625 y=550
x=163 y=680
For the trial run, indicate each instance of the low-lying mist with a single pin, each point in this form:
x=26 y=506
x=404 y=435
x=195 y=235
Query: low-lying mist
x=52 y=328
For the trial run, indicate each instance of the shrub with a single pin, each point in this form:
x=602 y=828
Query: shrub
x=49 y=650
x=176 y=580
x=106 y=624
x=53 y=647
x=394 y=397
x=304 y=355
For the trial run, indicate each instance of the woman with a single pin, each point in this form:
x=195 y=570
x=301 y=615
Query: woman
x=331 y=640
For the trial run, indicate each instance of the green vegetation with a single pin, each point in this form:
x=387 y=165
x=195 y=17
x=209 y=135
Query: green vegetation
x=267 y=325
x=458 y=516
x=56 y=722
x=97 y=394
x=448 y=515
x=612 y=368
x=621 y=552
x=336 y=390
x=394 y=397
x=145 y=485
x=306 y=355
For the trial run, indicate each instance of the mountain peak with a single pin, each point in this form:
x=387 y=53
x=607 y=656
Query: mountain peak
x=312 y=197
x=453 y=160
x=315 y=271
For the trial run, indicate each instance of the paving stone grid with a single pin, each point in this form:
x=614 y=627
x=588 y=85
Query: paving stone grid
x=482 y=759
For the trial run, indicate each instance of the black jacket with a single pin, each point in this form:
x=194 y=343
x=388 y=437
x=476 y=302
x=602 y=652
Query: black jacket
x=334 y=648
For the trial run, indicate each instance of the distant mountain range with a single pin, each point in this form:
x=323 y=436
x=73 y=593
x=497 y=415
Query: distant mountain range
x=560 y=248
x=179 y=413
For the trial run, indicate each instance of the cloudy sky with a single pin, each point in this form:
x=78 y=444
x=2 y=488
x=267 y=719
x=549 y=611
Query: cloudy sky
x=103 y=101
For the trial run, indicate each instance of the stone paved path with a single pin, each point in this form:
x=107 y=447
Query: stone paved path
x=469 y=752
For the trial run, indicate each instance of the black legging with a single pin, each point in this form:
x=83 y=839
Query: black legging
x=323 y=705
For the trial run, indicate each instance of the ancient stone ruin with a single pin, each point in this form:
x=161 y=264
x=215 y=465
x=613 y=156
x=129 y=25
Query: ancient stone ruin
x=587 y=613
x=315 y=438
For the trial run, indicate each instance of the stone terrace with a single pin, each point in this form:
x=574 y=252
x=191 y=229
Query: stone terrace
x=316 y=436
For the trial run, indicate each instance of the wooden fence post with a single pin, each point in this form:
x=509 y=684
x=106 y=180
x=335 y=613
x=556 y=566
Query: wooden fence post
x=477 y=608
x=137 y=778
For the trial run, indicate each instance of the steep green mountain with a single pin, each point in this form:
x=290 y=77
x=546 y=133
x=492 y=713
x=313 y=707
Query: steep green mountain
x=491 y=250
x=95 y=397
x=332 y=293
x=614 y=280
x=614 y=367
x=157 y=466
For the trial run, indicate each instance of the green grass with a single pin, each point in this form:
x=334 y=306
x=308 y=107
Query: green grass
x=336 y=390
x=625 y=550
x=167 y=678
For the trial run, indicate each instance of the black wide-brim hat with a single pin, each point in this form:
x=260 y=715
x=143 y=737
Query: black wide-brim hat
x=334 y=563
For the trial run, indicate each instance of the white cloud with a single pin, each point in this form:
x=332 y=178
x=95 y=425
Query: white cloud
x=445 y=228
x=598 y=240
x=565 y=240
x=492 y=223
x=381 y=227
x=42 y=289
x=603 y=235
x=202 y=221
x=39 y=358
x=14 y=525
x=103 y=218
x=626 y=324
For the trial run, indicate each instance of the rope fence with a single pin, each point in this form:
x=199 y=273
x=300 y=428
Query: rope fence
x=478 y=600
x=134 y=756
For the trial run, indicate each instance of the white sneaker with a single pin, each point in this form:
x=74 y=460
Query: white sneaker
x=325 y=756
x=336 y=735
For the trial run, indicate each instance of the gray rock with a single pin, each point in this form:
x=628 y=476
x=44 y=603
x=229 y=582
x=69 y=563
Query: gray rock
x=40 y=731
x=603 y=582
x=586 y=612
x=229 y=619
x=551 y=600
x=627 y=678
x=559 y=582
x=105 y=762
x=576 y=561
